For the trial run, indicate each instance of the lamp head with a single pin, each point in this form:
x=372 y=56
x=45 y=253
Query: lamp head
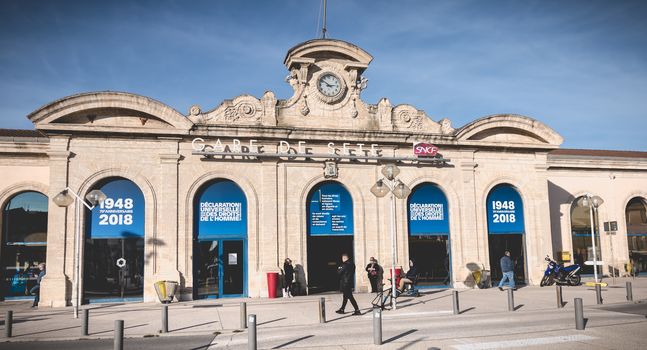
x=95 y=197
x=390 y=171
x=379 y=189
x=400 y=190
x=63 y=199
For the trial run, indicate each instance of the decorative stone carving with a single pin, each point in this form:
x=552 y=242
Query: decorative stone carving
x=303 y=106
x=407 y=118
x=330 y=169
x=446 y=126
x=353 y=109
x=243 y=110
x=194 y=110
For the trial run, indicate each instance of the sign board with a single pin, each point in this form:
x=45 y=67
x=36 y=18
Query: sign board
x=121 y=215
x=505 y=211
x=423 y=149
x=330 y=211
x=221 y=211
x=232 y=259
x=427 y=211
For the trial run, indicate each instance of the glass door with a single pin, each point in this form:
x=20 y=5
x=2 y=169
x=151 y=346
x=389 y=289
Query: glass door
x=206 y=273
x=232 y=268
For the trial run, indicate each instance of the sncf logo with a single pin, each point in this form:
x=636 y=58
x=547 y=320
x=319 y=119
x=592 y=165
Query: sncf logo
x=424 y=149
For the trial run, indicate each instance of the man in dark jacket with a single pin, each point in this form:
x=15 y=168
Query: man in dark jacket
x=346 y=272
x=507 y=267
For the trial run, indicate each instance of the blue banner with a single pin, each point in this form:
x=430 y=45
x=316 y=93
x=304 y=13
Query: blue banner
x=121 y=215
x=505 y=211
x=330 y=211
x=221 y=210
x=427 y=211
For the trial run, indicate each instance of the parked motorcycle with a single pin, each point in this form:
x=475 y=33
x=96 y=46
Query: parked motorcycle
x=560 y=274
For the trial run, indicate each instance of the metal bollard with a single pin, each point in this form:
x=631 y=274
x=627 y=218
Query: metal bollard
x=8 y=323
x=560 y=300
x=455 y=302
x=243 y=315
x=164 y=318
x=322 y=310
x=85 y=323
x=510 y=300
x=377 y=326
x=251 y=333
x=579 y=314
x=119 y=335
x=630 y=293
x=598 y=294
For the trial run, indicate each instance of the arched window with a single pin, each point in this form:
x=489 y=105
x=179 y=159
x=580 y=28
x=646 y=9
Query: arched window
x=114 y=243
x=329 y=208
x=636 y=216
x=506 y=230
x=581 y=236
x=429 y=242
x=24 y=241
x=220 y=241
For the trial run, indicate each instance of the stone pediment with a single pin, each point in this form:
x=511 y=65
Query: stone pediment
x=508 y=129
x=110 y=112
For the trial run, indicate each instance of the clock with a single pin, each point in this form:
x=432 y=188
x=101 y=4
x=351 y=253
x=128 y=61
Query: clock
x=329 y=85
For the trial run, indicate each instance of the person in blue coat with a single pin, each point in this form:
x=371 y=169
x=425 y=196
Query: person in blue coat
x=507 y=267
x=36 y=289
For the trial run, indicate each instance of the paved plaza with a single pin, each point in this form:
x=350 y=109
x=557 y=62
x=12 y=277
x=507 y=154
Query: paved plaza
x=418 y=323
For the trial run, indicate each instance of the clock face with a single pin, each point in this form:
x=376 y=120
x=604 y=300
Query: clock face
x=329 y=85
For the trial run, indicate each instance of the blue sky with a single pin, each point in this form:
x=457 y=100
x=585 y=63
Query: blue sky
x=578 y=66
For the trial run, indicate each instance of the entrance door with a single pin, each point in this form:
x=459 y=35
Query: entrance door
x=232 y=267
x=221 y=269
x=115 y=270
x=498 y=244
x=324 y=255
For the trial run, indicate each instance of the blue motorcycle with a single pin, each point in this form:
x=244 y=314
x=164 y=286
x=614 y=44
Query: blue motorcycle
x=560 y=274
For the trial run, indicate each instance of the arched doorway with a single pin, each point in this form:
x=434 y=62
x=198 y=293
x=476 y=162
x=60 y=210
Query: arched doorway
x=429 y=241
x=330 y=234
x=581 y=236
x=220 y=241
x=24 y=242
x=113 y=267
x=506 y=230
x=636 y=216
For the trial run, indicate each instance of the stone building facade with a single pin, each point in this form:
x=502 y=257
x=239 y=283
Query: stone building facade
x=279 y=152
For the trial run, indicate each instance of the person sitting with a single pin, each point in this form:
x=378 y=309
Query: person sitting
x=409 y=277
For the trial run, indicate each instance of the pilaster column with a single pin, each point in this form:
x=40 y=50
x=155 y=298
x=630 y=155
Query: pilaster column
x=268 y=222
x=56 y=286
x=164 y=241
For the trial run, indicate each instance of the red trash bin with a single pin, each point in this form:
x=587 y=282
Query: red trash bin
x=272 y=283
x=398 y=273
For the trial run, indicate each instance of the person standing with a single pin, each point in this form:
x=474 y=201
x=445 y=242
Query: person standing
x=346 y=272
x=36 y=289
x=374 y=271
x=288 y=271
x=507 y=268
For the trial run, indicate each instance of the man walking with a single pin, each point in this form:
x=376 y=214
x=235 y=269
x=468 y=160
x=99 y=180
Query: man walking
x=507 y=267
x=346 y=272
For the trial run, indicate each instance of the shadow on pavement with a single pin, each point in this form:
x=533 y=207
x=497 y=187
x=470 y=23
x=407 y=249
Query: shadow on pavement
x=112 y=330
x=466 y=310
x=400 y=335
x=191 y=326
x=293 y=341
x=270 y=321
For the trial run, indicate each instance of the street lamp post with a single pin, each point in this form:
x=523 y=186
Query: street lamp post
x=64 y=199
x=399 y=190
x=593 y=202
